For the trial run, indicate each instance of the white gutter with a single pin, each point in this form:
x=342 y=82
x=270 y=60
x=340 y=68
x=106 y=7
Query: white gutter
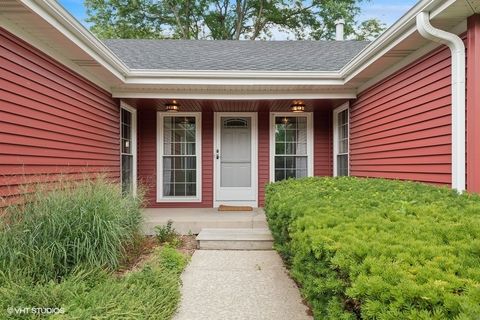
x=457 y=49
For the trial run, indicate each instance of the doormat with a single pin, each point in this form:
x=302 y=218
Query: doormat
x=234 y=208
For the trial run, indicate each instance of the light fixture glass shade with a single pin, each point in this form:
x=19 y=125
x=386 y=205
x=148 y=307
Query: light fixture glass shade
x=297 y=106
x=172 y=106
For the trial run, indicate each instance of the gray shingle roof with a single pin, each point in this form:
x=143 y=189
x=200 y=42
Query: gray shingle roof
x=235 y=55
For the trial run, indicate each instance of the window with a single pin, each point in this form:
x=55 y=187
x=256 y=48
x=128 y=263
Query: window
x=128 y=148
x=179 y=150
x=292 y=150
x=341 y=137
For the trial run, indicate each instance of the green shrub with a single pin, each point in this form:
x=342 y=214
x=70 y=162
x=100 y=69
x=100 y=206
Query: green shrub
x=80 y=225
x=150 y=293
x=379 y=249
x=166 y=233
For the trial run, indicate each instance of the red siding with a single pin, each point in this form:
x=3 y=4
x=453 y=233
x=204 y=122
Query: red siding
x=323 y=143
x=52 y=121
x=401 y=128
x=473 y=104
x=263 y=154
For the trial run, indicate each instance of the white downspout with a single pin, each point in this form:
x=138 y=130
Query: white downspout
x=457 y=49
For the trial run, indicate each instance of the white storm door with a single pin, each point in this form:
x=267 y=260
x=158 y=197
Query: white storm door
x=235 y=157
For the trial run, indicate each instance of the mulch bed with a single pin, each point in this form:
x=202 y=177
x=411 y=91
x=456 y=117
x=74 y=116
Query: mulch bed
x=138 y=254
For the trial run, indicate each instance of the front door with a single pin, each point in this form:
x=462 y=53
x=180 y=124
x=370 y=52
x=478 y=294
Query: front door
x=235 y=158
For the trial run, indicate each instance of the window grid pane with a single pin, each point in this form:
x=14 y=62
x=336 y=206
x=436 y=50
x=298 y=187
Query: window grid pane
x=290 y=148
x=179 y=157
x=342 y=142
x=126 y=150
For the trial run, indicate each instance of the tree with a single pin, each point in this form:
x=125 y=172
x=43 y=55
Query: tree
x=226 y=19
x=370 y=29
x=128 y=19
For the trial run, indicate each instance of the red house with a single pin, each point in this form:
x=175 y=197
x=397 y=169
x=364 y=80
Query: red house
x=204 y=123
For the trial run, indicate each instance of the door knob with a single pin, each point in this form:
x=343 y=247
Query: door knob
x=217 y=154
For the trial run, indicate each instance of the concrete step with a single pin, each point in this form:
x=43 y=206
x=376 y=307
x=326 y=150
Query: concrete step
x=235 y=239
x=192 y=221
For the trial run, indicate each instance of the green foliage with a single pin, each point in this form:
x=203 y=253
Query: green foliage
x=225 y=19
x=150 y=293
x=379 y=249
x=79 y=225
x=127 y=19
x=370 y=29
x=166 y=233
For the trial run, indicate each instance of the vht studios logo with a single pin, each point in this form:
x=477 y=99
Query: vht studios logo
x=35 y=310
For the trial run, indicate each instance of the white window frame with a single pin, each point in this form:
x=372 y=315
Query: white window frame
x=343 y=107
x=198 y=154
x=133 y=112
x=310 y=141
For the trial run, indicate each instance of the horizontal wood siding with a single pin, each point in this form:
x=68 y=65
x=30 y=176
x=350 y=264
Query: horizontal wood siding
x=401 y=128
x=52 y=121
x=473 y=104
x=323 y=142
x=263 y=154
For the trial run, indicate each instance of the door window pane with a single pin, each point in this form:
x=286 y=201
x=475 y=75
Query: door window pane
x=290 y=148
x=179 y=156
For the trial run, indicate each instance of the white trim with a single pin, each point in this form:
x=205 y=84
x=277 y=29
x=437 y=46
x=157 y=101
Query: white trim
x=254 y=146
x=60 y=19
x=411 y=58
x=43 y=47
x=65 y=23
x=241 y=93
x=457 y=49
x=343 y=107
x=399 y=31
x=198 y=153
x=133 y=112
x=310 y=141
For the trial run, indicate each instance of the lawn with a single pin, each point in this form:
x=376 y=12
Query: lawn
x=379 y=249
x=78 y=253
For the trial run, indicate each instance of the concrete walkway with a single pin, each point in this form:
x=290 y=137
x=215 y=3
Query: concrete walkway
x=243 y=285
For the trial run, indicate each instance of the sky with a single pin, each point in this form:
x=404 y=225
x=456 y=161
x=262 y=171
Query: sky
x=388 y=11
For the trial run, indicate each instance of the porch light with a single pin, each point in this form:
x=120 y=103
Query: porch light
x=297 y=106
x=172 y=106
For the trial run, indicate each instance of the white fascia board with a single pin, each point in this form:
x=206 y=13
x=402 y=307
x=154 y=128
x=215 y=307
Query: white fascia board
x=65 y=23
x=218 y=80
x=237 y=74
x=399 y=31
x=58 y=56
x=251 y=78
x=459 y=29
x=53 y=13
x=229 y=95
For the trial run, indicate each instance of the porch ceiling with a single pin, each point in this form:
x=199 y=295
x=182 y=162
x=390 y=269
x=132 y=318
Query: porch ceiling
x=197 y=105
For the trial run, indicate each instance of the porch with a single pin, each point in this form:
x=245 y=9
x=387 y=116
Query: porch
x=193 y=220
x=212 y=152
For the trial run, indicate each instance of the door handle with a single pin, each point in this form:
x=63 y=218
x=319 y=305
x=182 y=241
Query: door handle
x=217 y=154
